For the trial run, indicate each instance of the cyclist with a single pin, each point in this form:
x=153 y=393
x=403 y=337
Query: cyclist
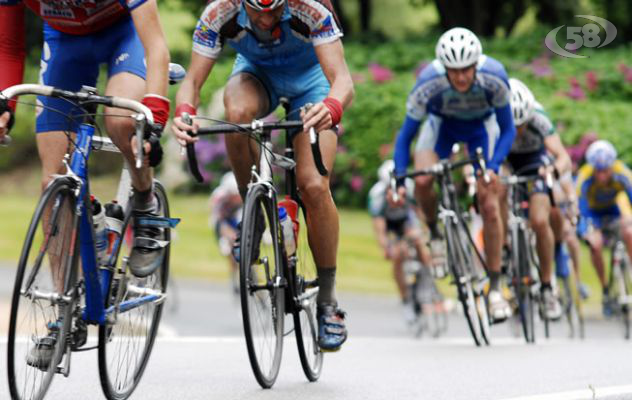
x=463 y=95
x=127 y=35
x=604 y=189
x=535 y=138
x=226 y=209
x=78 y=37
x=288 y=49
x=393 y=226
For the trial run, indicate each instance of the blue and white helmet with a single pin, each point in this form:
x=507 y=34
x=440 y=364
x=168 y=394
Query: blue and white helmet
x=601 y=154
x=458 y=48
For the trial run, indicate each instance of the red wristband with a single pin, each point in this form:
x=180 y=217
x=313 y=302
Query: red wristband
x=185 y=108
x=159 y=107
x=335 y=110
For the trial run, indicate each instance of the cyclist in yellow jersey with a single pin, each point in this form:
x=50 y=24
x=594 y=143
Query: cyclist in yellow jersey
x=604 y=189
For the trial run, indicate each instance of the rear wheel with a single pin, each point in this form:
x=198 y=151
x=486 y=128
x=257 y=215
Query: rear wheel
x=306 y=291
x=44 y=294
x=127 y=338
x=262 y=285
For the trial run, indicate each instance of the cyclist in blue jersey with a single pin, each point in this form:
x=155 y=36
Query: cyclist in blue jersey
x=129 y=39
x=79 y=36
x=462 y=96
x=604 y=189
x=288 y=49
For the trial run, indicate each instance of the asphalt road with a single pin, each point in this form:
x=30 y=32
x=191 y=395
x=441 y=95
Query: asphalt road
x=201 y=355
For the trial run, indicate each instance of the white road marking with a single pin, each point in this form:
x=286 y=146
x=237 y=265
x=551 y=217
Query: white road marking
x=583 y=394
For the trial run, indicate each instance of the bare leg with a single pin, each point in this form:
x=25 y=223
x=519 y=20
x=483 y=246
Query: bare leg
x=539 y=218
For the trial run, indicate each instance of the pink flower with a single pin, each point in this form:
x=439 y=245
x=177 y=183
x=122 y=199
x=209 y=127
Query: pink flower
x=357 y=183
x=576 y=92
x=592 y=82
x=626 y=71
x=379 y=73
x=541 y=67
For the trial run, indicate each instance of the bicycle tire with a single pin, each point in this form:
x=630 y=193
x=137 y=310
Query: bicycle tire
x=457 y=259
x=625 y=308
x=571 y=304
x=523 y=282
x=35 y=278
x=125 y=344
x=262 y=285
x=305 y=280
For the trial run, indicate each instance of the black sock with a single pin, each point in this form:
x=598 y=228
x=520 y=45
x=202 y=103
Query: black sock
x=242 y=192
x=545 y=285
x=142 y=201
x=326 y=286
x=494 y=280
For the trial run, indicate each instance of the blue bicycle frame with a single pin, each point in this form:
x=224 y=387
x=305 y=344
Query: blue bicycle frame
x=97 y=280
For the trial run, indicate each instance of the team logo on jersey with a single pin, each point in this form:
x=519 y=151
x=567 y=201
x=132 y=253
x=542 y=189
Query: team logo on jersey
x=53 y=11
x=324 y=29
x=205 y=36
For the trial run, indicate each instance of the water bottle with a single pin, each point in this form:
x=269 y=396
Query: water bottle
x=288 y=231
x=292 y=211
x=114 y=217
x=100 y=239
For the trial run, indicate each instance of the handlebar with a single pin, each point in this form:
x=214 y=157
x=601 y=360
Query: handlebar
x=143 y=117
x=256 y=126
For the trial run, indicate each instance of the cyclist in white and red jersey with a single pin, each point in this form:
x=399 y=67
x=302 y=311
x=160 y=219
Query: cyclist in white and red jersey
x=79 y=36
x=291 y=49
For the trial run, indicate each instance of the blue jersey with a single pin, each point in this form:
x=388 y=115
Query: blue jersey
x=433 y=95
x=290 y=45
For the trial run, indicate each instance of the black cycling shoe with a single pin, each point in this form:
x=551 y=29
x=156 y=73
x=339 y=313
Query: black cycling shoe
x=332 y=332
x=79 y=334
x=260 y=229
x=41 y=355
x=149 y=242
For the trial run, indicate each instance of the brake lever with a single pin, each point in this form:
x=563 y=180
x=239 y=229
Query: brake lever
x=482 y=164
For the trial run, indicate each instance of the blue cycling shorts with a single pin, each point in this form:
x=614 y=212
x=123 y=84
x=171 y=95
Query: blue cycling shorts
x=600 y=219
x=440 y=134
x=299 y=86
x=71 y=61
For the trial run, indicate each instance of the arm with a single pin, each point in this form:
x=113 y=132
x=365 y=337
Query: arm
x=554 y=146
x=332 y=61
x=404 y=139
x=147 y=24
x=507 y=135
x=12 y=55
x=188 y=96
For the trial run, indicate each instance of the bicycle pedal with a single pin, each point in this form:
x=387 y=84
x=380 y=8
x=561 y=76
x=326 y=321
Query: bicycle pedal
x=158 y=222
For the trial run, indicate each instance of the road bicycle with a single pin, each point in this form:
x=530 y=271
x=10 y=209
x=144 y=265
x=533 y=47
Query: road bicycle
x=460 y=247
x=272 y=282
x=53 y=300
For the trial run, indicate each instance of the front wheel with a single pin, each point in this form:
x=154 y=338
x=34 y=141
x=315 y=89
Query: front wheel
x=459 y=265
x=262 y=285
x=134 y=307
x=523 y=283
x=44 y=294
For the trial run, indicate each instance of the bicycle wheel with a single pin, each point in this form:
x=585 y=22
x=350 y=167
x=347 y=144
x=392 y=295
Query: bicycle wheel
x=458 y=265
x=305 y=292
x=571 y=304
x=262 y=285
x=127 y=338
x=43 y=295
x=523 y=283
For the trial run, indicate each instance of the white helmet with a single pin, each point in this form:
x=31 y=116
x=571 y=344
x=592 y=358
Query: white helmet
x=458 y=48
x=384 y=172
x=522 y=101
x=229 y=183
x=601 y=154
x=264 y=5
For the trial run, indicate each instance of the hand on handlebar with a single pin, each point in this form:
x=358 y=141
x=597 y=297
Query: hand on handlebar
x=490 y=179
x=180 y=130
x=316 y=116
x=396 y=200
